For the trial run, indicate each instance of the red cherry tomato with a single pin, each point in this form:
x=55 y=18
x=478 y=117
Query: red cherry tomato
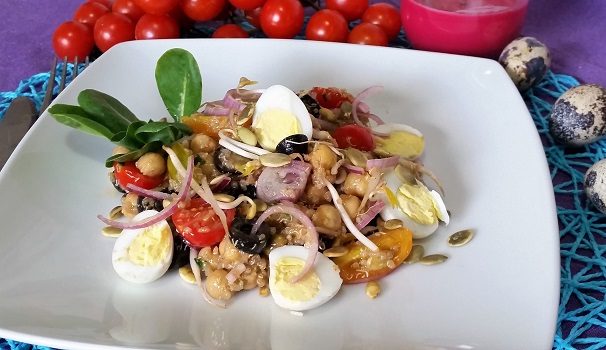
x=350 y=9
x=254 y=17
x=247 y=4
x=156 y=7
x=73 y=39
x=128 y=173
x=128 y=8
x=202 y=10
x=199 y=225
x=330 y=97
x=367 y=34
x=156 y=27
x=106 y=3
x=230 y=31
x=89 y=12
x=112 y=29
x=386 y=16
x=327 y=25
x=354 y=136
x=282 y=19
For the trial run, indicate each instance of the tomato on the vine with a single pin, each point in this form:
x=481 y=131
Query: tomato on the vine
x=73 y=39
x=367 y=34
x=89 y=12
x=157 y=7
x=350 y=9
x=128 y=173
x=156 y=27
x=354 y=136
x=330 y=97
x=112 y=29
x=282 y=19
x=128 y=8
x=106 y=3
x=230 y=31
x=327 y=25
x=386 y=16
x=247 y=5
x=202 y=10
x=199 y=225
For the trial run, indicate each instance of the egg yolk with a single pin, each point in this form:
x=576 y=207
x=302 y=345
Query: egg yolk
x=150 y=246
x=274 y=125
x=403 y=143
x=416 y=202
x=305 y=289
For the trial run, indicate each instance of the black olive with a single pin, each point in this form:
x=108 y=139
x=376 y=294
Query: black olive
x=237 y=188
x=313 y=107
x=180 y=253
x=114 y=181
x=325 y=243
x=227 y=161
x=244 y=240
x=147 y=203
x=296 y=143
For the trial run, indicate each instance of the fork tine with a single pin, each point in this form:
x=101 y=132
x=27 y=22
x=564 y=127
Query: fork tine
x=75 y=68
x=63 y=74
x=48 y=95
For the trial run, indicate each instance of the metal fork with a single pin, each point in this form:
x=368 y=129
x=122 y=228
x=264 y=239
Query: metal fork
x=48 y=95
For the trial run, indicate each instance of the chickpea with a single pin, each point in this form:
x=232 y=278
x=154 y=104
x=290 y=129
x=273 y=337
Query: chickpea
x=217 y=285
x=328 y=217
x=129 y=205
x=323 y=157
x=355 y=184
x=317 y=195
x=120 y=150
x=202 y=144
x=151 y=164
x=351 y=204
x=228 y=251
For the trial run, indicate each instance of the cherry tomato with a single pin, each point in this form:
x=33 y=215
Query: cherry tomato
x=354 y=136
x=156 y=7
x=112 y=29
x=199 y=225
x=247 y=4
x=367 y=34
x=128 y=173
x=327 y=25
x=398 y=242
x=156 y=27
x=254 y=17
x=89 y=12
x=230 y=31
x=106 y=3
x=350 y=9
x=330 y=97
x=202 y=10
x=73 y=39
x=386 y=16
x=128 y=8
x=282 y=19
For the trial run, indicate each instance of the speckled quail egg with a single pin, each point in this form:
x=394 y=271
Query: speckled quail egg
x=578 y=117
x=143 y=255
x=317 y=287
x=279 y=113
x=595 y=185
x=419 y=208
x=526 y=60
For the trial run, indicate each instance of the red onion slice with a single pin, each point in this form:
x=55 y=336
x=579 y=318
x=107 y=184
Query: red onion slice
x=354 y=169
x=235 y=272
x=373 y=211
x=147 y=193
x=303 y=219
x=166 y=212
x=382 y=163
x=361 y=96
x=215 y=110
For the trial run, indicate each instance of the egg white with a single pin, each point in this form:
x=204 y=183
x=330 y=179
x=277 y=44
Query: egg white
x=325 y=269
x=133 y=272
x=281 y=97
x=391 y=127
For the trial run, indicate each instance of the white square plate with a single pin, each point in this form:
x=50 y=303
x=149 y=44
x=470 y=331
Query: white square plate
x=501 y=291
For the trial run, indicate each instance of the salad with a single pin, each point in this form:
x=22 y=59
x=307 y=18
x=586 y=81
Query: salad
x=291 y=193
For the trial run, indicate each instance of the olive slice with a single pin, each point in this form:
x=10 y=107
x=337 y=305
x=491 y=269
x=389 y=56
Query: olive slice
x=296 y=143
x=227 y=161
x=313 y=107
x=242 y=238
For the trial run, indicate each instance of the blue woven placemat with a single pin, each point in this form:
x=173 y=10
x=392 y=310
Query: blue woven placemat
x=581 y=319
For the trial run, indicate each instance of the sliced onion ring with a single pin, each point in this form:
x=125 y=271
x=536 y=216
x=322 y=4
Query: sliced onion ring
x=361 y=96
x=382 y=163
x=193 y=254
x=370 y=214
x=147 y=193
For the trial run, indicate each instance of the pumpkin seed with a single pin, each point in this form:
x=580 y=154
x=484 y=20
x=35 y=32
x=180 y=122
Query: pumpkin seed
x=404 y=175
x=261 y=206
x=433 y=259
x=116 y=213
x=327 y=114
x=245 y=114
x=346 y=107
x=381 y=152
x=336 y=252
x=187 y=274
x=393 y=224
x=356 y=157
x=460 y=238
x=373 y=289
x=416 y=253
x=110 y=231
x=222 y=197
x=247 y=136
x=274 y=160
x=217 y=179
